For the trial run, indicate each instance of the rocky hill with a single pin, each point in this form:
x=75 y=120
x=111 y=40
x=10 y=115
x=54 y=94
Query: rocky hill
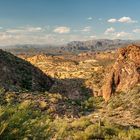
x=18 y=74
x=125 y=73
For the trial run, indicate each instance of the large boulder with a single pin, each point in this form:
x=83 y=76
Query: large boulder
x=124 y=74
x=18 y=74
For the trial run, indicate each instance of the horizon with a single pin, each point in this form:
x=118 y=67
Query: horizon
x=58 y=45
x=57 y=23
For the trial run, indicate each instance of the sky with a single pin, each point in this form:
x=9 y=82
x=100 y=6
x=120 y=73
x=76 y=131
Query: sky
x=61 y=21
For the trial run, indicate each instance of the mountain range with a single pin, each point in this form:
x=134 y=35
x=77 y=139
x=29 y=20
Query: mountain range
x=97 y=45
x=72 y=47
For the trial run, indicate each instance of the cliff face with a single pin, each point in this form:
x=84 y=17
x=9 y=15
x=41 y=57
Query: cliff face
x=125 y=73
x=17 y=74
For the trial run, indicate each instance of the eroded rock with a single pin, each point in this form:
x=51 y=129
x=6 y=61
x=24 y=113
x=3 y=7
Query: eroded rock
x=125 y=73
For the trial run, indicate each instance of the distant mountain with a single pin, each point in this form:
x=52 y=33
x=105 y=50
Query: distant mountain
x=71 y=47
x=31 y=49
x=96 y=45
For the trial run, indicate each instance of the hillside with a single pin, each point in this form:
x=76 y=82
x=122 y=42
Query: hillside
x=18 y=74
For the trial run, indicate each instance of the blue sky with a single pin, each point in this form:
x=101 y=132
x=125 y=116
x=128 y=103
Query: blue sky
x=61 y=21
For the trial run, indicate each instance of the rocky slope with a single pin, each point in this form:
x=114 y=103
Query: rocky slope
x=17 y=74
x=125 y=73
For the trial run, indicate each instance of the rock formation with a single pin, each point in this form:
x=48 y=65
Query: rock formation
x=18 y=74
x=125 y=73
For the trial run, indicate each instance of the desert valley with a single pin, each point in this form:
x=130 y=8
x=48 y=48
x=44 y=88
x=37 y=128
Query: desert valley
x=87 y=95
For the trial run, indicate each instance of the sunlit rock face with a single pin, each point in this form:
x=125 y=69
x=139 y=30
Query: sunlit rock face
x=125 y=73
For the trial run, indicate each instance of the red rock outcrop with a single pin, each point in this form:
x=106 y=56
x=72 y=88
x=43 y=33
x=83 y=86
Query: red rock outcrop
x=125 y=73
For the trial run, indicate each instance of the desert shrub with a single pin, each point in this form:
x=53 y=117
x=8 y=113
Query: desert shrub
x=79 y=135
x=24 y=118
x=93 y=132
x=20 y=123
x=81 y=123
x=116 y=101
x=132 y=134
x=92 y=103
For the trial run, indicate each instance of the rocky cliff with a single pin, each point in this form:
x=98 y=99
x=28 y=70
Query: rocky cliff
x=125 y=73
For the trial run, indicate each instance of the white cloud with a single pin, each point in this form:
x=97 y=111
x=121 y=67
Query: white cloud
x=24 y=35
x=109 y=30
x=92 y=37
x=4 y=36
x=33 y=29
x=122 y=20
x=89 y=18
x=86 y=29
x=75 y=37
x=43 y=38
x=14 y=30
x=19 y=36
x=112 y=20
x=12 y=39
x=122 y=34
x=126 y=20
x=62 y=30
x=136 y=30
x=112 y=33
x=24 y=30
